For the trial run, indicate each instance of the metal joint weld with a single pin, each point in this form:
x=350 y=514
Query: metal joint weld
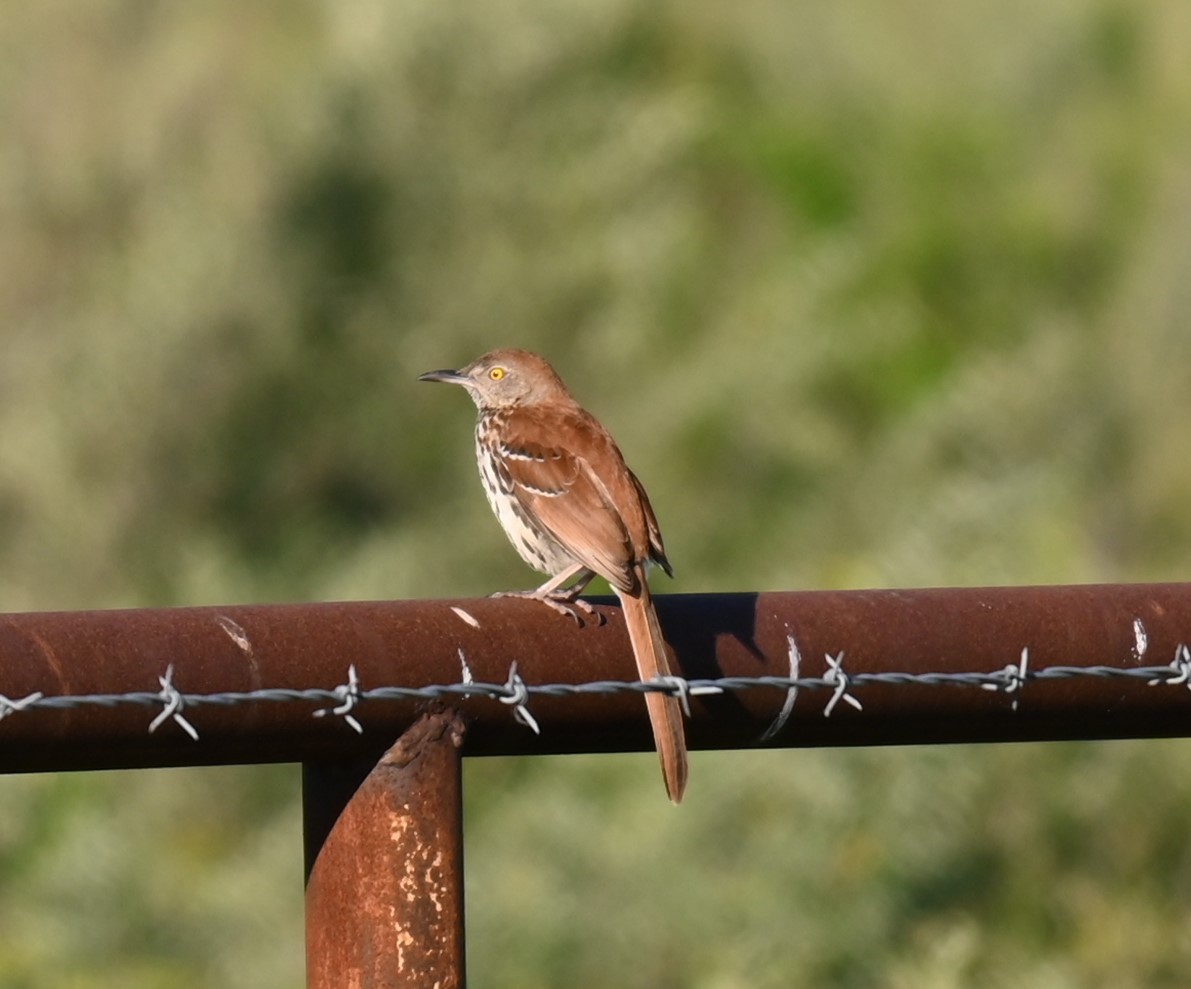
x=465 y=670
x=466 y=616
x=517 y=695
x=791 y=692
x=1141 y=639
x=174 y=702
x=837 y=678
x=349 y=695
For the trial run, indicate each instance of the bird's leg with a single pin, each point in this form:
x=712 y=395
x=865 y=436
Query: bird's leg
x=564 y=600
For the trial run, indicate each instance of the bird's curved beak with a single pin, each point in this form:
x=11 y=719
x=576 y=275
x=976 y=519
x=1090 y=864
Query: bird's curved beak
x=450 y=377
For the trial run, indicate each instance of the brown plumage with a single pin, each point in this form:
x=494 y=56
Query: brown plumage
x=571 y=507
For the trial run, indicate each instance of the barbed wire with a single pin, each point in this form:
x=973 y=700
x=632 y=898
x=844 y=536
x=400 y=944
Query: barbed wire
x=345 y=700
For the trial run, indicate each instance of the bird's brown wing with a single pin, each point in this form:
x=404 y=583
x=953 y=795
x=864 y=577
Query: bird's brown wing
x=657 y=551
x=551 y=465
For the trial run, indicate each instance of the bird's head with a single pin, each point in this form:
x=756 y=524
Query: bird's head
x=505 y=378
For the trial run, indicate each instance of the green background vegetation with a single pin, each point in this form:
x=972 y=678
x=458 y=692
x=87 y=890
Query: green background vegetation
x=872 y=294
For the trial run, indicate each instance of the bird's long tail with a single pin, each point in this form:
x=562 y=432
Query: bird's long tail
x=665 y=712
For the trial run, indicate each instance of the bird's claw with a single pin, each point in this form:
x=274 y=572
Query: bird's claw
x=560 y=601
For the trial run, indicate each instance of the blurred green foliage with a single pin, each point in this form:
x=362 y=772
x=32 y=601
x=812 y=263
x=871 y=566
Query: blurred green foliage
x=871 y=294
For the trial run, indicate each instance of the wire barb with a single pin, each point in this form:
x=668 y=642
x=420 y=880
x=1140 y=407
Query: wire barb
x=349 y=696
x=836 y=677
x=517 y=695
x=174 y=702
x=9 y=706
x=1012 y=678
x=675 y=686
x=1180 y=669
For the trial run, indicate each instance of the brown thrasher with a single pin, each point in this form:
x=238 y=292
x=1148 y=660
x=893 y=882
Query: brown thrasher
x=571 y=507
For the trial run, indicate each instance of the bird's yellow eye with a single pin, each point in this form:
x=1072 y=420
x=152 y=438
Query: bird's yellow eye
x=496 y=373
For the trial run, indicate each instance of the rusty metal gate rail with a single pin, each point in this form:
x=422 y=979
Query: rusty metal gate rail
x=240 y=684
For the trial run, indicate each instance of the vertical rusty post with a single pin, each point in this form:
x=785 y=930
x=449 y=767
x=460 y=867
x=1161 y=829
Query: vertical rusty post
x=384 y=890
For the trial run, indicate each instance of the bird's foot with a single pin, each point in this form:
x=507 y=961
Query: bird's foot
x=565 y=602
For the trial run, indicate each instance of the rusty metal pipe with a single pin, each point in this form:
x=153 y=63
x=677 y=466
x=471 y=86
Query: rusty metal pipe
x=416 y=643
x=384 y=893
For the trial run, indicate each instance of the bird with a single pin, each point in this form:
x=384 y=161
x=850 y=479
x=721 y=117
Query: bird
x=561 y=490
